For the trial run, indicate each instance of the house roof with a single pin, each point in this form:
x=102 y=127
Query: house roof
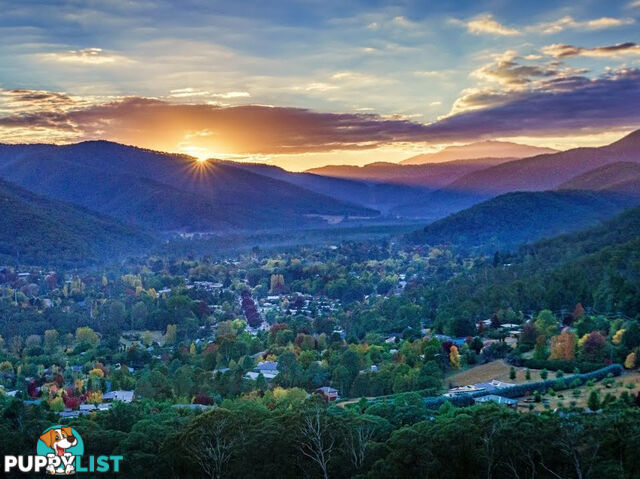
x=267 y=366
x=126 y=396
x=496 y=399
x=328 y=390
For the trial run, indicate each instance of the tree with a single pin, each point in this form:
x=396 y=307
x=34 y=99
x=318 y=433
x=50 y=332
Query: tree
x=211 y=441
x=316 y=441
x=357 y=440
x=276 y=284
x=476 y=344
x=527 y=374
x=85 y=334
x=56 y=404
x=512 y=373
x=593 y=345
x=172 y=334
x=546 y=322
x=630 y=361
x=631 y=337
x=116 y=315
x=563 y=346
x=139 y=314
x=147 y=338
x=6 y=368
x=594 y=401
x=454 y=357
x=544 y=374
x=51 y=339
x=617 y=337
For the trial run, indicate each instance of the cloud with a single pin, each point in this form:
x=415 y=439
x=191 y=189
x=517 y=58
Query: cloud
x=569 y=22
x=560 y=50
x=486 y=24
x=549 y=105
x=232 y=94
x=251 y=129
x=563 y=105
x=85 y=56
x=508 y=72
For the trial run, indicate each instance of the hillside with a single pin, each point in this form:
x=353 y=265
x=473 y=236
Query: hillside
x=616 y=176
x=480 y=149
x=41 y=231
x=431 y=175
x=524 y=217
x=539 y=173
x=544 y=172
x=163 y=191
x=597 y=267
x=379 y=196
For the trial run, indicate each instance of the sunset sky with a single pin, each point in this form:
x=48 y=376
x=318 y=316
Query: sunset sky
x=306 y=83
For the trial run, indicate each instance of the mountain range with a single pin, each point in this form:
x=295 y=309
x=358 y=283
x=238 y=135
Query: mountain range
x=480 y=149
x=538 y=173
x=513 y=219
x=124 y=191
x=431 y=176
x=163 y=191
x=41 y=230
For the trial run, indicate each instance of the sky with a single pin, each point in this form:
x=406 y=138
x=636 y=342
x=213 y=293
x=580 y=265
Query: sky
x=300 y=84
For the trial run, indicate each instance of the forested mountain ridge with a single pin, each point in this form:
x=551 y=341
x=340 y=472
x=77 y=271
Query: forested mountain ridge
x=427 y=175
x=42 y=231
x=524 y=217
x=598 y=267
x=547 y=171
x=163 y=191
x=617 y=176
x=538 y=173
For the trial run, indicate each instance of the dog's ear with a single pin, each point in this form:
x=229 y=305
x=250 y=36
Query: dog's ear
x=49 y=437
x=67 y=431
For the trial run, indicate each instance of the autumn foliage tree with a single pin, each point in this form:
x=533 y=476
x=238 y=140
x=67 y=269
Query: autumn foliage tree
x=593 y=346
x=454 y=357
x=630 y=361
x=563 y=346
x=277 y=284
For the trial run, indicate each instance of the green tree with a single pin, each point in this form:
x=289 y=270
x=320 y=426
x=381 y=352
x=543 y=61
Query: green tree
x=51 y=339
x=594 y=400
x=87 y=335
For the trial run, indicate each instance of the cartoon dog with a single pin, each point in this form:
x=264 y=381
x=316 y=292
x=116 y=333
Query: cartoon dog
x=60 y=440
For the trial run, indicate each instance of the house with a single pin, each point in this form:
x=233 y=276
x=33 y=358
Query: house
x=68 y=414
x=512 y=403
x=124 y=396
x=328 y=393
x=268 y=369
x=487 y=387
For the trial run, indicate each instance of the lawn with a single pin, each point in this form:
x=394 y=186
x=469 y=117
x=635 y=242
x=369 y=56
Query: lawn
x=493 y=370
x=569 y=399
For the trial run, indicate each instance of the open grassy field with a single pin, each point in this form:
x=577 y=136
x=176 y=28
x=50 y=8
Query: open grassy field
x=567 y=398
x=494 y=370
